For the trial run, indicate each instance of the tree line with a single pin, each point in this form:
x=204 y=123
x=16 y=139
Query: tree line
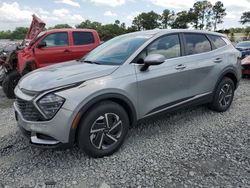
x=203 y=15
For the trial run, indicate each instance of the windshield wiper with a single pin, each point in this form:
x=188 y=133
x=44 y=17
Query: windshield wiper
x=91 y=62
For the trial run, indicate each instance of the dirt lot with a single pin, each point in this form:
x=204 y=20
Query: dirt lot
x=190 y=148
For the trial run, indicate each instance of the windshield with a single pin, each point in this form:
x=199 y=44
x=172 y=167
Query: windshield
x=117 y=50
x=243 y=44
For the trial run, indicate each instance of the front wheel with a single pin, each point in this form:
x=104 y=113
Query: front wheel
x=103 y=129
x=223 y=95
x=2 y=74
x=10 y=82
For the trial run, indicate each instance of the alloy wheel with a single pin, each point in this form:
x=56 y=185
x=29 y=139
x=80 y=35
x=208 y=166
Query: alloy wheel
x=106 y=131
x=226 y=94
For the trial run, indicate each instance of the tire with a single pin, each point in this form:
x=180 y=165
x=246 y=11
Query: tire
x=223 y=96
x=2 y=79
x=95 y=137
x=2 y=75
x=9 y=83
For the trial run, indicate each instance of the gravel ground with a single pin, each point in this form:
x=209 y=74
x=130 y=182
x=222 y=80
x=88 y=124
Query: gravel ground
x=190 y=148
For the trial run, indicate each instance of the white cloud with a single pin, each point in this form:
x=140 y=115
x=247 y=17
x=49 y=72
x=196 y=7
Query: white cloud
x=68 y=2
x=62 y=15
x=109 y=13
x=173 y=3
x=13 y=15
x=112 y=3
x=11 y=12
x=133 y=15
x=43 y=12
x=230 y=15
x=60 y=12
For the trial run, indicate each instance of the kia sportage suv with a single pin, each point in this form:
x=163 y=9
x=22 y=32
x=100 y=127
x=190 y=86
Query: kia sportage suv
x=94 y=101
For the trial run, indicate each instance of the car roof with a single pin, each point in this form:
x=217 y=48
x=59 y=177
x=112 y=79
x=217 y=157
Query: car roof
x=166 y=31
x=69 y=29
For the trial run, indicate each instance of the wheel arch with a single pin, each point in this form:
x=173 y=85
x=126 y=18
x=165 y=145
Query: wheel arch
x=230 y=73
x=28 y=67
x=117 y=98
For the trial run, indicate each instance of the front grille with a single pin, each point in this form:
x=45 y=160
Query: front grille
x=28 y=110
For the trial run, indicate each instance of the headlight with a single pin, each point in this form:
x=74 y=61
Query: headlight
x=50 y=104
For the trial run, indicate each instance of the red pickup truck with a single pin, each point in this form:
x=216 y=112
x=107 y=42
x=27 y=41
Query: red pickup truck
x=46 y=48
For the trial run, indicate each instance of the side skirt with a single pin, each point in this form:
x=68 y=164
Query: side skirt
x=192 y=101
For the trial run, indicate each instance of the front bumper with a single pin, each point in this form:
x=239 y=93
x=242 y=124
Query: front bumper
x=48 y=134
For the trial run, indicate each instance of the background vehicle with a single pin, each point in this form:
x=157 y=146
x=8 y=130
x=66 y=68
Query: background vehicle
x=93 y=102
x=245 y=66
x=244 y=48
x=46 y=48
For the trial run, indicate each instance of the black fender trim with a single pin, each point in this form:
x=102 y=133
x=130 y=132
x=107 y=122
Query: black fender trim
x=227 y=71
x=118 y=98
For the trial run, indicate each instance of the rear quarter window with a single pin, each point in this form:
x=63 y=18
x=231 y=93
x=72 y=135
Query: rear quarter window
x=217 y=41
x=83 y=38
x=196 y=43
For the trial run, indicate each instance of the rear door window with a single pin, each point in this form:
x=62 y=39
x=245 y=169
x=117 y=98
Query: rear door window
x=196 y=44
x=83 y=38
x=57 y=39
x=217 y=41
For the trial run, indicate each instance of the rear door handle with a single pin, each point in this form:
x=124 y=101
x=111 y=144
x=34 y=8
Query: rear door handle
x=180 y=67
x=218 y=60
x=67 y=50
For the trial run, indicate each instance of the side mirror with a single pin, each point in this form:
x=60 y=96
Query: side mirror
x=151 y=60
x=42 y=44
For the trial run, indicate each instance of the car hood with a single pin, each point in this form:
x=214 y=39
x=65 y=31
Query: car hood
x=63 y=74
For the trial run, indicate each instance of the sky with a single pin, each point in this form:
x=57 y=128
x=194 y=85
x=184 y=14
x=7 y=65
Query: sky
x=15 y=13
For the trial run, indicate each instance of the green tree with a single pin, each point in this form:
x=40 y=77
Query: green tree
x=19 y=33
x=181 y=21
x=167 y=18
x=136 y=24
x=109 y=31
x=201 y=14
x=245 y=18
x=146 y=21
x=61 y=26
x=5 y=34
x=232 y=37
x=117 y=22
x=132 y=29
x=247 y=32
x=219 y=12
x=87 y=24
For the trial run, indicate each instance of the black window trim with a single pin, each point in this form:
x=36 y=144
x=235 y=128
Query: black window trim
x=55 y=46
x=193 y=33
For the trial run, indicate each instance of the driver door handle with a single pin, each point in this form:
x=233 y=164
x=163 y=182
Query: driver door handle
x=218 y=60
x=180 y=67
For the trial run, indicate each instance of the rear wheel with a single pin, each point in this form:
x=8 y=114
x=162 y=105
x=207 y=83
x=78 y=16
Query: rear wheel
x=103 y=129
x=10 y=82
x=223 y=96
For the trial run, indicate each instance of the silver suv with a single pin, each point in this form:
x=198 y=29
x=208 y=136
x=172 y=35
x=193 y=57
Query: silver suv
x=94 y=101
